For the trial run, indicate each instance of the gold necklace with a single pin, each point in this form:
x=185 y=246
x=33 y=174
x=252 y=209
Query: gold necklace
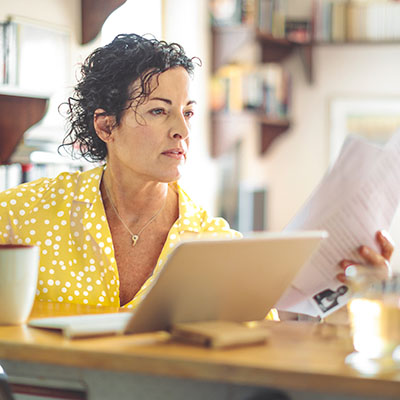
x=134 y=236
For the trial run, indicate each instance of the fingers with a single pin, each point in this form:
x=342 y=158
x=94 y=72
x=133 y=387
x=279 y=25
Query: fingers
x=346 y=263
x=372 y=257
x=343 y=265
x=385 y=243
x=376 y=260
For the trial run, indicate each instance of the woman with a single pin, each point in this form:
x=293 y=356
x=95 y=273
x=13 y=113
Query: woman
x=106 y=232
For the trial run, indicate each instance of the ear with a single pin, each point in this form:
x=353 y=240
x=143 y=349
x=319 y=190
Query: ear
x=103 y=124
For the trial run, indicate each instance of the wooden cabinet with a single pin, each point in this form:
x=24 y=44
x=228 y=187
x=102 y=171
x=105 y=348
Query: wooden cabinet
x=228 y=127
x=94 y=14
x=19 y=111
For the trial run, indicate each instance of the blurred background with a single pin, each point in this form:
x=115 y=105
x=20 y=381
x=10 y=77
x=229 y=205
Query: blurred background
x=282 y=83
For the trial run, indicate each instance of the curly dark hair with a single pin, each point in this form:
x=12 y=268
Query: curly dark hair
x=106 y=78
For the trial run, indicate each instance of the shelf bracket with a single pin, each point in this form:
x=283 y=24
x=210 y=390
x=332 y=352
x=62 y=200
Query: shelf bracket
x=269 y=133
x=94 y=13
x=18 y=113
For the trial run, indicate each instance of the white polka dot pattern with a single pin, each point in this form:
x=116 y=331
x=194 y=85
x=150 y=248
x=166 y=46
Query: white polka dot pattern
x=65 y=217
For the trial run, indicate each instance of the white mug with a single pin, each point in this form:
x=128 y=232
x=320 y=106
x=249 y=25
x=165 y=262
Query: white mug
x=19 y=266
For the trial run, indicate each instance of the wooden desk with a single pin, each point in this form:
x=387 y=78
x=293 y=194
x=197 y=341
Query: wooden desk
x=302 y=359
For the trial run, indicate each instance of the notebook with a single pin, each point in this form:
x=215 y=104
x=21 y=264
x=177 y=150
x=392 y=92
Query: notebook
x=203 y=280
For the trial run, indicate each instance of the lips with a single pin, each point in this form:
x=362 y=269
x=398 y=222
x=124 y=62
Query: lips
x=175 y=153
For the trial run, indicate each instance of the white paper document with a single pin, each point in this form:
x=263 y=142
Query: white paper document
x=358 y=197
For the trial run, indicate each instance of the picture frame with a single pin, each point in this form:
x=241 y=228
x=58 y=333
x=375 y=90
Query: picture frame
x=40 y=55
x=375 y=118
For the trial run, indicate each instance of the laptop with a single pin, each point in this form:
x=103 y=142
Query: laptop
x=203 y=280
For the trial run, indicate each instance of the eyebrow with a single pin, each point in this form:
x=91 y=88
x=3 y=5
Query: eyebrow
x=168 y=101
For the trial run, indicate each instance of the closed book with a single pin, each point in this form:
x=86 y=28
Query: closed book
x=219 y=334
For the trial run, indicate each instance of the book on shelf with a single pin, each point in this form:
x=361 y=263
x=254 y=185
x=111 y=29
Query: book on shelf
x=356 y=21
x=264 y=16
x=322 y=20
x=298 y=30
x=275 y=91
x=264 y=88
x=232 y=12
x=9 y=51
x=338 y=21
x=248 y=12
x=271 y=17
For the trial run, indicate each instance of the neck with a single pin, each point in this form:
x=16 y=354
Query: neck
x=134 y=199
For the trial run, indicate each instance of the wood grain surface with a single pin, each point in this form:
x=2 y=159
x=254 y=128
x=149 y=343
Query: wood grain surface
x=297 y=355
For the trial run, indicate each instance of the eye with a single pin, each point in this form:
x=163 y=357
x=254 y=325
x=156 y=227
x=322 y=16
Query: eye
x=188 y=114
x=157 y=111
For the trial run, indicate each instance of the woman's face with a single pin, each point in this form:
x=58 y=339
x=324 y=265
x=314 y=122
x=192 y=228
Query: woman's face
x=152 y=141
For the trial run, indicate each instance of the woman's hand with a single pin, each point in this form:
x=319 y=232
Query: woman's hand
x=371 y=257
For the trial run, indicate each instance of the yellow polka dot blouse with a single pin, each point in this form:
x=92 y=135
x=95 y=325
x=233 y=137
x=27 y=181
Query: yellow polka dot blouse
x=66 y=218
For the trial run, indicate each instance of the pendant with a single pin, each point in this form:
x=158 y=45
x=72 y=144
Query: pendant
x=135 y=238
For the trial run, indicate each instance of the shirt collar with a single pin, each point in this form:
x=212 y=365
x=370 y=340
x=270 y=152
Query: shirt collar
x=189 y=219
x=88 y=186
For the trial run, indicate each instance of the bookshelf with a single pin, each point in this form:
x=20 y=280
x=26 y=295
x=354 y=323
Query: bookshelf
x=278 y=35
x=373 y=21
x=274 y=49
x=227 y=39
x=227 y=126
x=277 y=49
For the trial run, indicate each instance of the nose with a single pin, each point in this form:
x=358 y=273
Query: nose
x=180 y=129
